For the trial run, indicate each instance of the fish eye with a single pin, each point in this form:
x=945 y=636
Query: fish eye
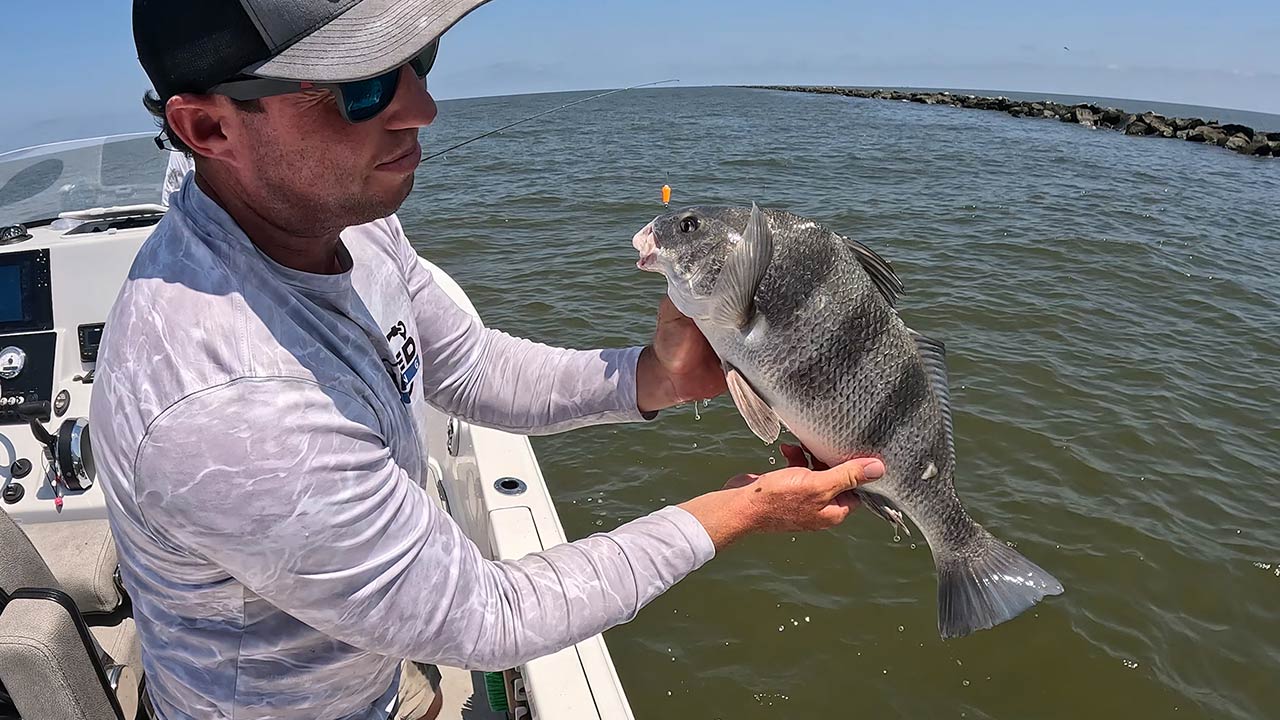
x=688 y=224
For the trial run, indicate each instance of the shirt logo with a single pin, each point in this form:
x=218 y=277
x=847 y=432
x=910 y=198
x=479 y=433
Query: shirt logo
x=407 y=362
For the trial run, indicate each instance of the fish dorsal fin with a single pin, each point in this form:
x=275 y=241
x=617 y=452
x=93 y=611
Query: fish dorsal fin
x=743 y=270
x=761 y=418
x=934 y=356
x=880 y=270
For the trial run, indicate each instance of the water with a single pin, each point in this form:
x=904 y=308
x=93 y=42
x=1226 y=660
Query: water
x=1109 y=305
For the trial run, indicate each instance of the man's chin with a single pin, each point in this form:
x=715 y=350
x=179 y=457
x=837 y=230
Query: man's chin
x=386 y=197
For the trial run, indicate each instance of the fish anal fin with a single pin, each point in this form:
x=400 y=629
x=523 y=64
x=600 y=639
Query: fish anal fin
x=761 y=418
x=882 y=508
x=743 y=270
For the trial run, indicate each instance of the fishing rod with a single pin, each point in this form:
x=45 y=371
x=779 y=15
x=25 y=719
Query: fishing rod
x=544 y=112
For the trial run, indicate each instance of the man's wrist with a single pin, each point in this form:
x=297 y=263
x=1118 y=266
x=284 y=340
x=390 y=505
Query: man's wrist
x=725 y=515
x=654 y=389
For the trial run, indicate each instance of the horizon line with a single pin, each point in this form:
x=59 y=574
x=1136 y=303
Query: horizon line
x=872 y=86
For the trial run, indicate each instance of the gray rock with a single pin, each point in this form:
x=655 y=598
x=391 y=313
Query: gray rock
x=1208 y=134
x=1237 y=143
x=1159 y=124
x=1137 y=127
x=1257 y=146
x=1086 y=117
x=1111 y=117
x=1273 y=136
x=1187 y=123
x=1275 y=148
x=1234 y=129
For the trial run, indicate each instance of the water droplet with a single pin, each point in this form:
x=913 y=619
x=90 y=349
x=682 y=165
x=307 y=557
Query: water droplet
x=793 y=539
x=706 y=403
x=780 y=628
x=901 y=628
x=773 y=460
x=1131 y=664
x=696 y=415
x=695 y=444
x=965 y=683
x=896 y=536
x=668 y=693
x=806 y=618
x=794 y=621
x=913 y=546
x=885 y=671
x=599 y=522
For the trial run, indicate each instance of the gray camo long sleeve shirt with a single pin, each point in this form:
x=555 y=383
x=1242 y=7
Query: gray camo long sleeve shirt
x=259 y=440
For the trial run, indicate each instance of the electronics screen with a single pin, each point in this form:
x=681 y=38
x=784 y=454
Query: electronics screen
x=11 y=293
x=26 y=300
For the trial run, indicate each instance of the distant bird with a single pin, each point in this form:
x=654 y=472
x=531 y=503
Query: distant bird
x=1064 y=47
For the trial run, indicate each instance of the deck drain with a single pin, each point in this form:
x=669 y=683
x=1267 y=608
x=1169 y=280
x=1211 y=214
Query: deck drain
x=510 y=486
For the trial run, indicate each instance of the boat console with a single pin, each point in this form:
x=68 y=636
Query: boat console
x=52 y=315
x=61 y=266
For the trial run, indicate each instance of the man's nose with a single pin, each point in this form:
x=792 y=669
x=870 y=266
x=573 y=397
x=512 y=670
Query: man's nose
x=413 y=106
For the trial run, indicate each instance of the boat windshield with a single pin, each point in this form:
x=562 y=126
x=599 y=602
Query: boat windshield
x=38 y=183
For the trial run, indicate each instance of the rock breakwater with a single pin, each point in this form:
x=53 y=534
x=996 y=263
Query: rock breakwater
x=1238 y=138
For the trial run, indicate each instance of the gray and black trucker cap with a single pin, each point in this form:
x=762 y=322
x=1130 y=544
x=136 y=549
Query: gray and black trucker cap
x=192 y=46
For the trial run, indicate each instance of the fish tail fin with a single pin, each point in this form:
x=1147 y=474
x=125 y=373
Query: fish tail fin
x=987 y=583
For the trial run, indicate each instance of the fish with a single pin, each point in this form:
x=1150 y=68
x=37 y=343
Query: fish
x=806 y=326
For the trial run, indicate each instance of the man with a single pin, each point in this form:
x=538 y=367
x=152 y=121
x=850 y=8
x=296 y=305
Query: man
x=259 y=438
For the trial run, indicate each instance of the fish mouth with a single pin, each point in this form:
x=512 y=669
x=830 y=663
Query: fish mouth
x=646 y=243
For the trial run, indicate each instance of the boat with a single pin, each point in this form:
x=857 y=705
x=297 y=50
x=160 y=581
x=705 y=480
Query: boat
x=72 y=216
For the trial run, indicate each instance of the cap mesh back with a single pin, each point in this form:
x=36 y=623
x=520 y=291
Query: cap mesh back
x=192 y=46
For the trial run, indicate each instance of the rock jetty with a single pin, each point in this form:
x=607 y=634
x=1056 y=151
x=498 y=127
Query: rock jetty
x=1240 y=138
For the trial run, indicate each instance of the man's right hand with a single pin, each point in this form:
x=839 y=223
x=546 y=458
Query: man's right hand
x=793 y=499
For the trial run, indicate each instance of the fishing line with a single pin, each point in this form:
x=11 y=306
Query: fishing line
x=544 y=112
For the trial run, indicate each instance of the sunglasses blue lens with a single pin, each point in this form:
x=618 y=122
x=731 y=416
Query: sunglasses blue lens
x=365 y=98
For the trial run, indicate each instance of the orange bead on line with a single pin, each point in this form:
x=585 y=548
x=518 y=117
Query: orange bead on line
x=666 y=194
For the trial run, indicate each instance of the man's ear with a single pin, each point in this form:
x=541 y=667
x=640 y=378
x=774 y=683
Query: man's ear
x=200 y=122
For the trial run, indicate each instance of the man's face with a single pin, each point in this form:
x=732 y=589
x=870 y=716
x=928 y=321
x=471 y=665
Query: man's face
x=310 y=172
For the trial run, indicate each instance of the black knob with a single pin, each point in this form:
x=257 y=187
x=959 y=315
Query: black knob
x=20 y=468
x=13 y=492
x=34 y=410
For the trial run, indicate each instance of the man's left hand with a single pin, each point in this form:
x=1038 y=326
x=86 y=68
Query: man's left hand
x=679 y=366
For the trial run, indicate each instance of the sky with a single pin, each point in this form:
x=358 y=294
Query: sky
x=70 y=69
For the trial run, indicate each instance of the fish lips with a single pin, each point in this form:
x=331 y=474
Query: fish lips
x=646 y=243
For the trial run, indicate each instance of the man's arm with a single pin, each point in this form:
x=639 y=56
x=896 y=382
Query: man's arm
x=301 y=501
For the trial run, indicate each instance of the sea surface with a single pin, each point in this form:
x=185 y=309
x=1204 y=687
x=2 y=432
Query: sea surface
x=1111 y=310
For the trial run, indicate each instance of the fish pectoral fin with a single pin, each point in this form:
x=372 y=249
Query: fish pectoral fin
x=879 y=269
x=743 y=270
x=885 y=510
x=934 y=356
x=761 y=418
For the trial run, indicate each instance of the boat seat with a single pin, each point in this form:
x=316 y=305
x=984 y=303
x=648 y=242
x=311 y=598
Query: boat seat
x=56 y=661
x=82 y=556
